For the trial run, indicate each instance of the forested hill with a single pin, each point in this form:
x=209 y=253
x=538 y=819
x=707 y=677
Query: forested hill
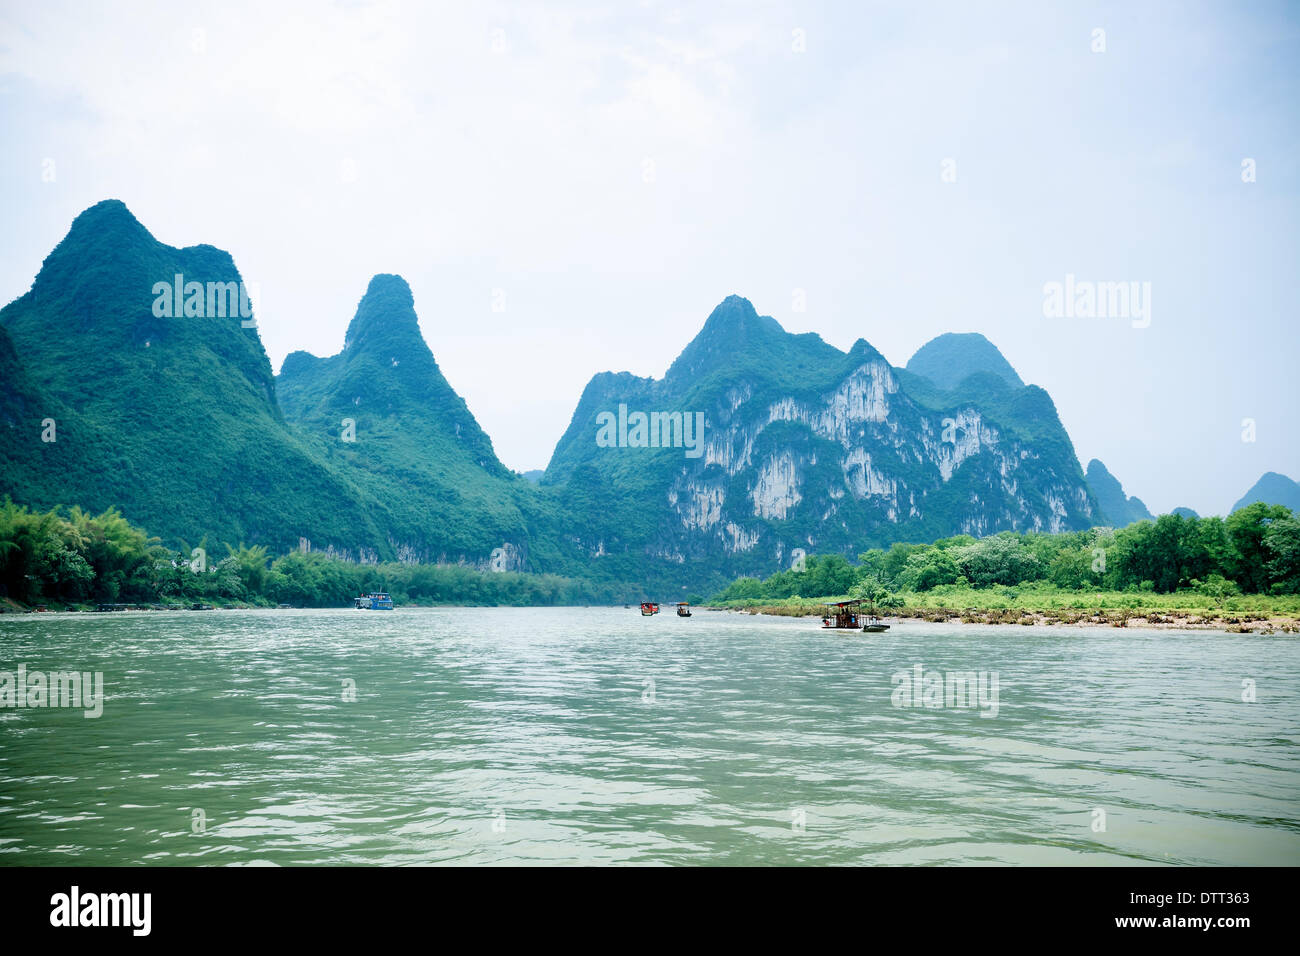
x=809 y=448
x=133 y=376
x=171 y=418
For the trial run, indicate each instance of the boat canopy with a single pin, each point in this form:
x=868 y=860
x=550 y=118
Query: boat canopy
x=841 y=614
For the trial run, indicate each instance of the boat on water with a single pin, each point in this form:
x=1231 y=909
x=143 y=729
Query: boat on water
x=842 y=616
x=374 y=601
x=848 y=616
x=683 y=609
x=648 y=608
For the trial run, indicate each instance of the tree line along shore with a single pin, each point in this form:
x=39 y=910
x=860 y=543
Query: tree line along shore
x=1241 y=572
x=68 y=559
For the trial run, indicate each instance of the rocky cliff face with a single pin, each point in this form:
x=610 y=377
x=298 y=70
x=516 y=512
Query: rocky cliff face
x=810 y=448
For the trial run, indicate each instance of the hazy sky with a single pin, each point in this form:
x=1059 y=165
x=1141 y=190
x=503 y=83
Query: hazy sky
x=611 y=176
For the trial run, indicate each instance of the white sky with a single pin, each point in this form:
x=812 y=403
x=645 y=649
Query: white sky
x=483 y=147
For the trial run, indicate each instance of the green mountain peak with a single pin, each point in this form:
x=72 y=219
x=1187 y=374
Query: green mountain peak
x=385 y=372
x=1274 y=489
x=171 y=417
x=804 y=446
x=385 y=317
x=948 y=359
x=1116 y=506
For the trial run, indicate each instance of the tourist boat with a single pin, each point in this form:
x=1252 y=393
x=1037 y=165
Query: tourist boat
x=873 y=625
x=844 y=616
x=374 y=601
x=683 y=609
x=648 y=608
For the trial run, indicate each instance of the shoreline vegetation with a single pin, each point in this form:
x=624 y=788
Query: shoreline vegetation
x=1240 y=573
x=1256 y=614
x=70 y=559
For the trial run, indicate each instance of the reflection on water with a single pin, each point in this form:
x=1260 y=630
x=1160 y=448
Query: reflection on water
x=599 y=736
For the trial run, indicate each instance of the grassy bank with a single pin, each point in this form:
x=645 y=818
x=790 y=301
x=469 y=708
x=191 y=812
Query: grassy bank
x=1045 y=605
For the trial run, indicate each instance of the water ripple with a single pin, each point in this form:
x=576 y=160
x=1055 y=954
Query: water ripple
x=551 y=736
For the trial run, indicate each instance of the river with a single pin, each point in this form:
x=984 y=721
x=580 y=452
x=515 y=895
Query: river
x=571 y=735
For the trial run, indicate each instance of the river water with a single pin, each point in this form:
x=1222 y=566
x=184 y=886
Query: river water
x=562 y=735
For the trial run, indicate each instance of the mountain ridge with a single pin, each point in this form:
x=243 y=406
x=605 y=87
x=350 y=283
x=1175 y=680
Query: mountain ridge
x=371 y=453
x=1272 y=488
x=813 y=448
x=381 y=411
x=948 y=359
x=1117 y=507
x=191 y=440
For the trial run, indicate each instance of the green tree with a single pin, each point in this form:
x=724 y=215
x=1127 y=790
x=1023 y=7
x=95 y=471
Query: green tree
x=250 y=566
x=927 y=569
x=1001 y=559
x=1282 y=546
x=1246 y=530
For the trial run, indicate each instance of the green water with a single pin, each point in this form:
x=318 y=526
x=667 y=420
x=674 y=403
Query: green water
x=535 y=737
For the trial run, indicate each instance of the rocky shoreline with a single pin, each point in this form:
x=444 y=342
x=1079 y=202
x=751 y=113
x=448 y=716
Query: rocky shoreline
x=1231 y=622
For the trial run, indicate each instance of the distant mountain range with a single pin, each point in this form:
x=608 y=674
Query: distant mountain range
x=812 y=449
x=948 y=359
x=1272 y=489
x=1119 y=509
x=123 y=383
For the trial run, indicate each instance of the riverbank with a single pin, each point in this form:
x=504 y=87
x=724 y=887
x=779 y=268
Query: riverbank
x=1180 y=611
x=10 y=606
